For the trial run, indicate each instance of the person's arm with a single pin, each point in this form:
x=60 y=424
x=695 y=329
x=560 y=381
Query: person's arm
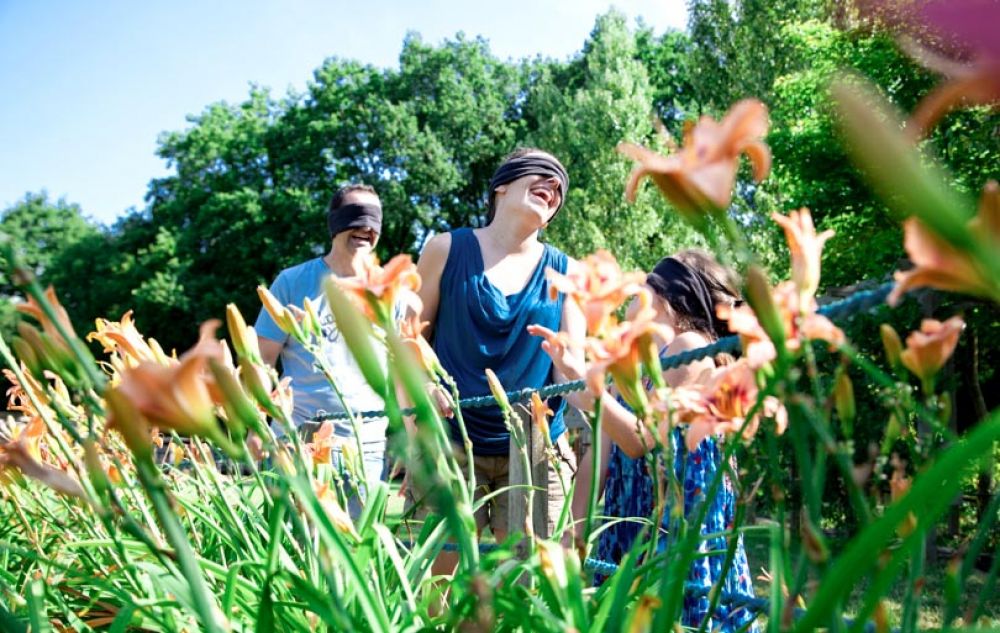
x=269 y=350
x=431 y=266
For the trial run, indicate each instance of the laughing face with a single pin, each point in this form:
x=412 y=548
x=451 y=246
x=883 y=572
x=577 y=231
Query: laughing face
x=360 y=240
x=539 y=194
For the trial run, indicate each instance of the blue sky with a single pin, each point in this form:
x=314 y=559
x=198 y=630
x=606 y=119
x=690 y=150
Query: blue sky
x=86 y=86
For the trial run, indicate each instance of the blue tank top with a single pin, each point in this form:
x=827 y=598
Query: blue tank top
x=478 y=327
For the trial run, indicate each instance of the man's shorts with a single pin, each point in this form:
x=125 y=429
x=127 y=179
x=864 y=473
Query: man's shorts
x=492 y=473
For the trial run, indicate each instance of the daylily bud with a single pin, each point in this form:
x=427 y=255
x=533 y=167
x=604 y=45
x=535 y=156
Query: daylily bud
x=311 y=322
x=257 y=381
x=881 y=618
x=642 y=619
x=497 y=389
x=335 y=512
x=843 y=391
x=26 y=354
x=551 y=560
x=241 y=412
x=892 y=344
x=892 y=432
x=899 y=486
x=126 y=419
x=357 y=333
x=95 y=470
x=761 y=299
x=282 y=316
x=244 y=338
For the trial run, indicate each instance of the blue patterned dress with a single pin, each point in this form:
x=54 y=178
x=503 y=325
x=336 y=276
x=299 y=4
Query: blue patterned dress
x=629 y=493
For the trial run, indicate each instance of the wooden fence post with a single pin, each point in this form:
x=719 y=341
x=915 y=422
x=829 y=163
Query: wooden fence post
x=536 y=477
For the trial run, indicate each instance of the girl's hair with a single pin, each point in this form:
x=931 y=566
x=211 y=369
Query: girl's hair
x=722 y=286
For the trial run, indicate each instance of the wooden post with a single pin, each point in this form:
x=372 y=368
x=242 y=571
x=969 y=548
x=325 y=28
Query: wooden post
x=518 y=476
x=576 y=420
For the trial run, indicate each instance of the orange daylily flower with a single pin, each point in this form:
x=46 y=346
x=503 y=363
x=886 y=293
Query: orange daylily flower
x=322 y=443
x=338 y=516
x=31 y=307
x=928 y=349
x=806 y=247
x=377 y=288
x=598 y=287
x=800 y=320
x=938 y=264
x=177 y=396
x=540 y=414
x=410 y=328
x=727 y=398
x=20 y=456
x=622 y=353
x=699 y=179
x=124 y=338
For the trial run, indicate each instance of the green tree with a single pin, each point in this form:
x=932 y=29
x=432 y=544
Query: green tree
x=582 y=112
x=42 y=231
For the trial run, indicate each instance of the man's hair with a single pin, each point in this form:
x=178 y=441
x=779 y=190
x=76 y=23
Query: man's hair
x=337 y=200
x=491 y=204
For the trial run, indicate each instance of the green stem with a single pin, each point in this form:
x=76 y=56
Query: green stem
x=595 y=430
x=204 y=603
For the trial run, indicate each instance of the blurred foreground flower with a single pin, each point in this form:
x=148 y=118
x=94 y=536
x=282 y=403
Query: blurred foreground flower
x=176 y=396
x=699 y=179
x=378 y=288
x=410 y=333
x=955 y=38
x=50 y=327
x=598 y=287
x=938 y=264
x=23 y=456
x=928 y=349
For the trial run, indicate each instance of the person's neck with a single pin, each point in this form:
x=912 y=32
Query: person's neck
x=344 y=264
x=511 y=237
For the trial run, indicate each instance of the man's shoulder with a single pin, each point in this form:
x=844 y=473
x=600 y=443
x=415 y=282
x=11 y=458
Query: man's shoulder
x=310 y=267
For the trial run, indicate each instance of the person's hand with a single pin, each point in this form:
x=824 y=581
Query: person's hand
x=559 y=348
x=442 y=398
x=568 y=361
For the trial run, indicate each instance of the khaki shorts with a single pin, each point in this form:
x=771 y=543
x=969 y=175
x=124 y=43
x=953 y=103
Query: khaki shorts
x=492 y=473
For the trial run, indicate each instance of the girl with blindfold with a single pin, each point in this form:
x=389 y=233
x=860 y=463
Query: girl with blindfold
x=688 y=286
x=481 y=288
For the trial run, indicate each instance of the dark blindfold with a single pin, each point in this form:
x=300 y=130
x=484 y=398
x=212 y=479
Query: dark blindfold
x=531 y=165
x=354 y=216
x=685 y=290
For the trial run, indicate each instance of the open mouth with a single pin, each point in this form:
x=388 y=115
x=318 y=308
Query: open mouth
x=544 y=194
x=363 y=238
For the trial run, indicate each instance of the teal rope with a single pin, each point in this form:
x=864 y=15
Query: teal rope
x=860 y=301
